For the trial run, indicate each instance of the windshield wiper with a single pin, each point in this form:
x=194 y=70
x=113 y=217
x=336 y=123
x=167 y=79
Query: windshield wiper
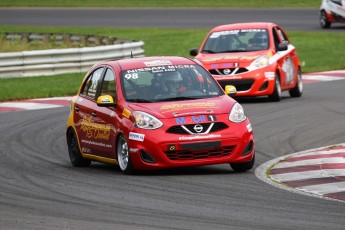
x=139 y=100
x=179 y=98
x=208 y=51
x=233 y=51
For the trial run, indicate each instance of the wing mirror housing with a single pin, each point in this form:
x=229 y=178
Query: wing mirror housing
x=105 y=101
x=282 y=46
x=193 y=52
x=230 y=90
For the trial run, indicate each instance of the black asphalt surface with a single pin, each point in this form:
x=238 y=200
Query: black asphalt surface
x=290 y=19
x=39 y=189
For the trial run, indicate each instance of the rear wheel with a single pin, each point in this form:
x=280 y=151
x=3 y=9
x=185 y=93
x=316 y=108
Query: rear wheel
x=123 y=156
x=241 y=167
x=324 y=23
x=277 y=93
x=298 y=89
x=75 y=156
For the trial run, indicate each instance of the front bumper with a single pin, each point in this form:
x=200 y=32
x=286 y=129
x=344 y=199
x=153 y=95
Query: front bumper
x=258 y=82
x=161 y=150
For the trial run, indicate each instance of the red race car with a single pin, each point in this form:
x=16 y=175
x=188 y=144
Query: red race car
x=257 y=58
x=154 y=113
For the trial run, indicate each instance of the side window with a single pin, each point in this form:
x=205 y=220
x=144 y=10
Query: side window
x=109 y=84
x=276 y=38
x=282 y=35
x=92 y=83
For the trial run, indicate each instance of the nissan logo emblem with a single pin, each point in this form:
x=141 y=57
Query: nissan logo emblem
x=226 y=71
x=198 y=128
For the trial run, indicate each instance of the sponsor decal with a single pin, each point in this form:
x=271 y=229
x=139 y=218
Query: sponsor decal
x=136 y=136
x=249 y=128
x=194 y=119
x=199 y=137
x=95 y=130
x=167 y=68
x=133 y=150
x=106 y=100
x=228 y=57
x=85 y=150
x=96 y=143
x=126 y=113
x=179 y=107
x=270 y=75
x=171 y=147
x=288 y=69
x=157 y=63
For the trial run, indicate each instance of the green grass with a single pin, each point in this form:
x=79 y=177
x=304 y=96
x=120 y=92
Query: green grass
x=319 y=51
x=161 y=3
x=39 y=87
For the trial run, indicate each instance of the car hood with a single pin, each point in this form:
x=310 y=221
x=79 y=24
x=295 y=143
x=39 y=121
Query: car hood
x=212 y=106
x=229 y=60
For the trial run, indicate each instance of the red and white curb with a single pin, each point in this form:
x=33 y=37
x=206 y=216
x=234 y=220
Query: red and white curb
x=32 y=104
x=324 y=76
x=317 y=172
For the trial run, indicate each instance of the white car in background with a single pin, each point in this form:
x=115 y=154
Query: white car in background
x=332 y=11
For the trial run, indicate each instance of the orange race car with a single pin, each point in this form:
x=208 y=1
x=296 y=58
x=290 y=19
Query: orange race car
x=257 y=58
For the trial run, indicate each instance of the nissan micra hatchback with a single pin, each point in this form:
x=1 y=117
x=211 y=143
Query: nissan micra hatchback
x=154 y=113
x=255 y=57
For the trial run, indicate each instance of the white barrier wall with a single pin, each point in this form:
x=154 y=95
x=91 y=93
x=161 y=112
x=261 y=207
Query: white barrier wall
x=58 y=61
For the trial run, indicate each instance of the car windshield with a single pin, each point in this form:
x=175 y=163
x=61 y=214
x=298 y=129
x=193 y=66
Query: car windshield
x=168 y=83
x=241 y=40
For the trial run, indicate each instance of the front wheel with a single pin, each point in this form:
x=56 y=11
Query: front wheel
x=298 y=89
x=241 y=167
x=277 y=92
x=123 y=156
x=324 y=23
x=75 y=156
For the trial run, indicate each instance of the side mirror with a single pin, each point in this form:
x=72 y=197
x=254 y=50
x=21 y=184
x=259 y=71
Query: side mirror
x=105 y=101
x=282 y=46
x=230 y=90
x=193 y=52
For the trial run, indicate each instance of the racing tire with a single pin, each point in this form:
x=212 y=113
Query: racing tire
x=123 y=156
x=324 y=23
x=277 y=92
x=298 y=89
x=242 y=167
x=74 y=153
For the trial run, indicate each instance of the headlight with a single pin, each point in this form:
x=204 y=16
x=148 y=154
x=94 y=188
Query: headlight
x=260 y=62
x=146 y=121
x=237 y=113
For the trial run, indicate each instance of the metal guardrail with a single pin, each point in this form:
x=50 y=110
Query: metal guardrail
x=58 y=61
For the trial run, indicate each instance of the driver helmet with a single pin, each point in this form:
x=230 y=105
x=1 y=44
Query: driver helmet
x=171 y=79
x=260 y=38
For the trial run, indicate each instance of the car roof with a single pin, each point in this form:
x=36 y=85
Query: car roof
x=142 y=62
x=244 y=25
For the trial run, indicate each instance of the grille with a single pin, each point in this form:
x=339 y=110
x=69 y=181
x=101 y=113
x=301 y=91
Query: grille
x=241 y=85
x=199 y=154
x=177 y=129
x=221 y=71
